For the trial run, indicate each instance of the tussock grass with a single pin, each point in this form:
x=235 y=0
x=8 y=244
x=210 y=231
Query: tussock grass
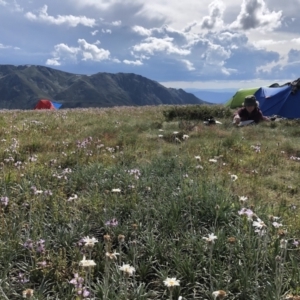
x=167 y=184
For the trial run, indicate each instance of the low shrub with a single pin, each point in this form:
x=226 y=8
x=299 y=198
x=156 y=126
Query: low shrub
x=196 y=112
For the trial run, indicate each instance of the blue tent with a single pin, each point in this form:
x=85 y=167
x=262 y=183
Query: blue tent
x=56 y=104
x=279 y=101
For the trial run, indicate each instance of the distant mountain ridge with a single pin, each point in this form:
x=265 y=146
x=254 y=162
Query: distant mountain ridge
x=217 y=96
x=22 y=86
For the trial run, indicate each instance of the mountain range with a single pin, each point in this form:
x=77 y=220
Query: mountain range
x=22 y=86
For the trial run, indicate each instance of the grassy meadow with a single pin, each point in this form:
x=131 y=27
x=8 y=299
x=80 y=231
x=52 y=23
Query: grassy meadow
x=148 y=203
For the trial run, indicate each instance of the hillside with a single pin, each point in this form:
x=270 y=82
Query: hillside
x=22 y=86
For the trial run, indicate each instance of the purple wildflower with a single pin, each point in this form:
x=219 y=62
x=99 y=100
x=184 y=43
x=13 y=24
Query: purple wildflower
x=113 y=222
x=40 y=246
x=77 y=281
x=247 y=212
x=85 y=293
x=28 y=244
x=4 y=201
x=22 y=278
x=43 y=264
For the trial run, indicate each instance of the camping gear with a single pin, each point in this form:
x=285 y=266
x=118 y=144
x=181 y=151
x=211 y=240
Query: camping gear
x=283 y=101
x=47 y=104
x=211 y=121
x=239 y=97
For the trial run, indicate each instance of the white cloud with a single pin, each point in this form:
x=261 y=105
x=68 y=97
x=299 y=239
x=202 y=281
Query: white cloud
x=92 y=52
x=214 y=59
x=131 y=62
x=106 y=31
x=255 y=14
x=84 y=52
x=142 y=30
x=4 y=46
x=69 y=20
x=216 y=10
x=261 y=44
x=190 y=39
x=296 y=40
x=188 y=65
x=63 y=51
x=101 y=4
x=94 y=32
x=53 y=62
x=153 y=45
x=17 y=7
x=116 y=23
x=12 y=5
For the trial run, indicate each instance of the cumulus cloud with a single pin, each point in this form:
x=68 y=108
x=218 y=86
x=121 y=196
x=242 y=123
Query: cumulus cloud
x=85 y=51
x=53 y=61
x=142 y=30
x=255 y=14
x=264 y=43
x=153 y=45
x=214 y=19
x=296 y=40
x=131 y=62
x=102 y=5
x=69 y=20
x=188 y=64
x=92 y=52
x=216 y=55
x=94 y=32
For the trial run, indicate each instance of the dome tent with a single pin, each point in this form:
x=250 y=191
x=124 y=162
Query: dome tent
x=280 y=100
x=47 y=104
x=238 y=98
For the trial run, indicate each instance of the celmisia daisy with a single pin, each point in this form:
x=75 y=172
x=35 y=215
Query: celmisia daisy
x=171 y=282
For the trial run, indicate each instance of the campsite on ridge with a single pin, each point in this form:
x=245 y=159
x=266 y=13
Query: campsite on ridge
x=118 y=203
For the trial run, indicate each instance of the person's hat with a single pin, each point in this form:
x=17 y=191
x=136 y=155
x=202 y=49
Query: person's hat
x=250 y=101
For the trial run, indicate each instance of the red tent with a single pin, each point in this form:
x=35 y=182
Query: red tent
x=44 y=104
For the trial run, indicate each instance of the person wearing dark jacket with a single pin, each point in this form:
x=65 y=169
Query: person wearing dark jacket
x=250 y=111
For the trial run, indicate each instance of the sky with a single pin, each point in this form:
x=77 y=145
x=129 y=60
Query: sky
x=199 y=44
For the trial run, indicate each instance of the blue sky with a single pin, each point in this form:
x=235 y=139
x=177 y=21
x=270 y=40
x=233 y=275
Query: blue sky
x=181 y=44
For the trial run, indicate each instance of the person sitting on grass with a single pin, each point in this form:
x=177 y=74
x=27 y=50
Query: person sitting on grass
x=250 y=111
